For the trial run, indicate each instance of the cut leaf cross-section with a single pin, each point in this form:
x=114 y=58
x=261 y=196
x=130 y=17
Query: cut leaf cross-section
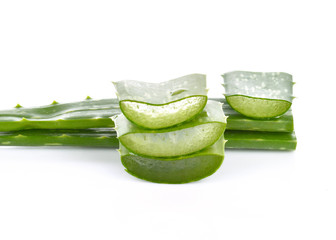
x=259 y=95
x=181 y=169
x=162 y=105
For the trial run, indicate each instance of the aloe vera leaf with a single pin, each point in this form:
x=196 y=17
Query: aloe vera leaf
x=257 y=94
x=99 y=137
x=192 y=136
x=181 y=169
x=261 y=140
x=77 y=115
x=107 y=137
x=162 y=105
x=97 y=113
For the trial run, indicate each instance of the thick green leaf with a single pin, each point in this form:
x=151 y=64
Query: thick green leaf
x=260 y=140
x=76 y=115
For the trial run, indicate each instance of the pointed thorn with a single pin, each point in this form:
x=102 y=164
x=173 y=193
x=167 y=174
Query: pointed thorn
x=20 y=136
x=64 y=136
x=88 y=98
x=18 y=106
x=103 y=137
x=54 y=102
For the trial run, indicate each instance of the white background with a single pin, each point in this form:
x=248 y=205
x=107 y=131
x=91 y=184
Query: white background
x=66 y=50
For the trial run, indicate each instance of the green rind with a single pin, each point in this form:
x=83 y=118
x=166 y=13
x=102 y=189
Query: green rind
x=170 y=142
x=107 y=138
x=259 y=95
x=258 y=108
x=182 y=169
x=162 y=105
x=97 y=113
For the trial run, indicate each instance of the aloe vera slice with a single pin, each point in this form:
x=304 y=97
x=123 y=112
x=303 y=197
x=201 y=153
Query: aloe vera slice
x=259 y=95
x=237 y=121
x=192 y=136
x=161 y=105
x=181 y=169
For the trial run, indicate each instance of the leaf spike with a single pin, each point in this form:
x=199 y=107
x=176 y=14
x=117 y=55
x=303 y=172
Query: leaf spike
x=64 y=136
x=88 y=98
x=103 y=137
x=18 y=106
x=54 y=102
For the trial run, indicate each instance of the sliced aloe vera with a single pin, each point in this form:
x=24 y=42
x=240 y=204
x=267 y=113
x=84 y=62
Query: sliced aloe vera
x=192 y=136
x=259 y=95
x=180 y=169
x=161 y=105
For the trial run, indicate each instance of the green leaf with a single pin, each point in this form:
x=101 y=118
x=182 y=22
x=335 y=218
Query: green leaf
x=261 y=140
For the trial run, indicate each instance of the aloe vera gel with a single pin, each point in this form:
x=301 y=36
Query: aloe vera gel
x=165 y=104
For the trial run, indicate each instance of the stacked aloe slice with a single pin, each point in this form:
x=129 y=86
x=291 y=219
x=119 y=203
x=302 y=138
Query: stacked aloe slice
x=168 y=131
x=265 y=98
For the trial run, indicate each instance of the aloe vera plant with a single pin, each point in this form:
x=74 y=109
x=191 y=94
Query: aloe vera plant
x=259 y=95
x=180 y=169
x=192 y=136
x=96 y=114
x=161 y=105
x=107 y=138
